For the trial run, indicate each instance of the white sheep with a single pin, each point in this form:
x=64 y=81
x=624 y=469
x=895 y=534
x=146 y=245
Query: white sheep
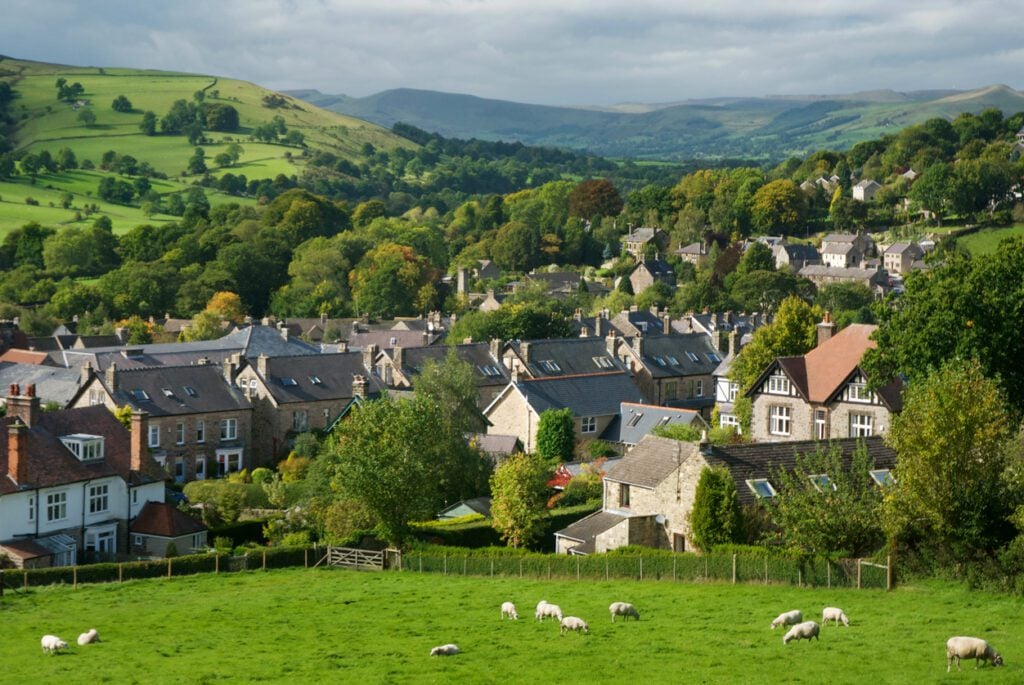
x=52 y=644
x=88 y=638
x=624 y=609
x=548 y=611
x=573 y=623
x=788 y=618
x=445 y=650
x=834 y=614
x=509 y=609
x=970 y=648
x=802 y=631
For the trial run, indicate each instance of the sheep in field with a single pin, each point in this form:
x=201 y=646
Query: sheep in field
x=624 y=609
x=445 y=650
x=573 y=623
x=788 y=618
x=970 y=648
x=88 y=638
x=52 y=644
x=802 y=631
x=834 y=614
x=549 y=611
x=509 y=609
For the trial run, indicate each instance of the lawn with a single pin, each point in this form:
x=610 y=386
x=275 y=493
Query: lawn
x=321 y=625
x=986 y=241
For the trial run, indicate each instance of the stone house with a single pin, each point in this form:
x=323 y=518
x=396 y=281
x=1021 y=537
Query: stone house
x=561 y=357
x=651 y=271
x=160 y=525
x=397 y=368
x=637 y=420
x=846 y=250
x=795 y=256
x=72 y=481
x=594 y=400
x=673 y=370
x=866 y=190
x=899 y=258
x=294 y=395
x=874 y=279
x=200 y=424
x=694 y=253
x=636 y=241
x=649 y=495
x=823 y=394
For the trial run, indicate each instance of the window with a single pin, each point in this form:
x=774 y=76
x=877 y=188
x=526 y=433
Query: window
x=778 y=420
x=728 y=420
x=167 y=392
x=761 y=487
x=822 y=482
x=713 y=357
x=95 y=398
x=288 y=381
x=190 y=391
x=140 y=395
x=179 y=433
x=229 y=462
x=693 y=358
x=700 y=388
x=635 y=419
x=137 y=541
x=671 y=391
x=883 y=477
x=315 y=380
x=198 y=541
x=154 y=436
x=623 y=495
x=588 y=424
x=31 y=508
x=85 y=447
x=229 y=429
x=734 y=389
x=200 y=467
x=550 y=366
x=819 y=424
x=660 y=361
x=99 y=500
x=858 y=392
x=861 y=425
x=56 y=506
x=200 y=431
x=300 y=420
x=778 y=384
x=672 y=360
x=603 y=362
x=179 y=470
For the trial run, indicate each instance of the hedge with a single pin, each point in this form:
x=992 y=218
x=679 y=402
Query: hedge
x=479 y=533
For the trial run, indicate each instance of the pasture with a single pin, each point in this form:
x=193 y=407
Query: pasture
x=986 y=241
x=320 y=625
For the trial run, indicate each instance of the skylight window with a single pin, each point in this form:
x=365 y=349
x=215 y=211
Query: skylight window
x=635 y=419
x=883 y=477
x=761 y=487
x=190 y=391
x=167 y=392
x=550 y=366
x=714 y=358
x=288 y=381
x=603 y=362
x=693 y=358
x=672 y=360
x=660 y=361
x=140 y=395
x=315 y=380
x=822 y=482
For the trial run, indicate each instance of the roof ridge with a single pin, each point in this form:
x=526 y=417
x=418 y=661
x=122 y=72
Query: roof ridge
x=572 y=375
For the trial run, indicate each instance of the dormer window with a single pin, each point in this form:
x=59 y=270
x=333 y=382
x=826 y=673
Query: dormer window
x=86 y=448
x=778 y=384
x=858 y=392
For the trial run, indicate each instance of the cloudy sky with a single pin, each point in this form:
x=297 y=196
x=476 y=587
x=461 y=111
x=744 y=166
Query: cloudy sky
x=543 y=51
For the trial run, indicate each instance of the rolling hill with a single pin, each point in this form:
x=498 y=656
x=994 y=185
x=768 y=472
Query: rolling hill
x=760 y=128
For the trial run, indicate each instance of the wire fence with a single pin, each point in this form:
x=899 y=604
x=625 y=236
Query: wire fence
x=852 y=573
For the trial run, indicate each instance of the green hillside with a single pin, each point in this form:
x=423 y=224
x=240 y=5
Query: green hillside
x=764 y=128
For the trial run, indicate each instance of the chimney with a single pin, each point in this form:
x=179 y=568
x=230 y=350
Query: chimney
x=721 y=340
x=284 y=330
x=86 y=373
x=261 y=365
x=359 y=386
x=231 y=365
x=495 y=348
x=666 y=326
x=140 y=429
x=734 y=342
x=323 y=319
x=638 y=344
x=514 y=373
x=111 y=377
x=460 y=281
x=577 y=315
x=728 y=318
x=122 y=334
x=599 y=324
x=370 y=356
x=398 y=356
x=611 y=343
x=25 y=407
x=705 y=443
x=524 y=352
x=342 y=346
x=17 y=452
x=825 y=329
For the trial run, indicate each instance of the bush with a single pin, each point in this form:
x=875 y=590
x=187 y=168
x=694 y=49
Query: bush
x=583 y=488
x=32 y=201
x=261 y=475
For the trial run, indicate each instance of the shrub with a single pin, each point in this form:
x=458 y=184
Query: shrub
x=293 y=469
x=715 y=518
x=261 y=475
x=600 y=448
x=32 y=201
x=583 y=488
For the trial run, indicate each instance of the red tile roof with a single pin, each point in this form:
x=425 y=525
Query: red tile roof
x=17 y=356
x=165 y=520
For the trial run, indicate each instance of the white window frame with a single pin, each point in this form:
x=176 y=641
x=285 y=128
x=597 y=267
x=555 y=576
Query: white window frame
x=778 y=384
x=588 y=424
x=57 y=506
x=780 y=419
x=883 y=477
x=755 y=483
x=820 y=424
x=734 y=389
x=200 y=431
x=138 y=541
x=861 y=425
x=300 y=420
x=700 y=388
x=858 y=392
x=179 y=470
x=179 y=433
x=200 y=467
x=728 y=420
x=154 y=436
x=32 y=508
x=229 y=429
x=99 y=498
x=228 y=461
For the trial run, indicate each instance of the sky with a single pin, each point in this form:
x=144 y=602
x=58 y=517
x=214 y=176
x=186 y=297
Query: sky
x=557 y=52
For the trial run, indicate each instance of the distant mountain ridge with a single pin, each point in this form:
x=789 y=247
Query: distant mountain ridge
x=769 y=127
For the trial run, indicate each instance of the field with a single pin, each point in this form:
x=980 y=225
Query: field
x=322 y=625
x=986 y=241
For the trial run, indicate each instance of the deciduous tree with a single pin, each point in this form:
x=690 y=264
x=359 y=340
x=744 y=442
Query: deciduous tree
x=519 y=493
x=715 y=518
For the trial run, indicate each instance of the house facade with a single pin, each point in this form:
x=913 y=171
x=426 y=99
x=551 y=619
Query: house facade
x=899 y=258
x=651 y=271
x=673 y=370
x=866 y=190
x=846 y=250
x=636 y=241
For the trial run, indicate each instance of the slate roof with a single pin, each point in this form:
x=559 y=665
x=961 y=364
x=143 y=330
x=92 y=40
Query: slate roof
x=165 y=390
x=644 y=234
x=164 y=520
x=641 y=321
x=50 y=463
x=387 y=339
x=590 y=395
x=757 y=460
x=487 y=370
x=480 y=505
x=665 y=356
x=697 y=249
x=799 y=252
x=657 y=268
x=314 y=379
x=651 y=461
x=25 y=549
x=901 y=247
x=637 y=420
x=839 y=248
x=53 y=383
x=558 y=281
x=840 y=237
x=588 y=527
x=821 y=271
x=495 y=445
x=570 y=356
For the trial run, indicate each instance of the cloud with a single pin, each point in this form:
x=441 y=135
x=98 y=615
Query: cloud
x=565 y=52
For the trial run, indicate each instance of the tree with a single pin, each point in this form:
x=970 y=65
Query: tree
x=951 y=439
x=594 y=198
x=223 y=159
x=121 y=104
x=206 y=325
x=519 y=493
x=87 y=116
x=556 y=435
x=793 y=332
x=778 y=207
x=148 y=124
x=390 y=280
x=837 y=512
x=516 y=247
x=197 y=163
x=220 y=117
x=931 y=189
x=227 y=305
x=715 y=518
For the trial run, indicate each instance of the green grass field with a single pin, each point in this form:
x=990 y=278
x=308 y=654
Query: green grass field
x=322 y=625
x=987 y=240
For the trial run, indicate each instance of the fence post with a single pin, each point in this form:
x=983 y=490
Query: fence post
x=858 y=573
x=216 y=562
x=446 y=563
x=24 y=582
x=465 y=559
x=168 y=568
x=828 y=573
x=707 y=568
x=673 y=567
x=888 y=573
x=733 y=569
x=641 y=567
x=74 y=577
x=606 y=567
x=264 y=560
x=305 y=558
x=421 y=563
x=520 y=567
x=766 y=570
x=577 y=566
x=120 y=573
x=799 y=578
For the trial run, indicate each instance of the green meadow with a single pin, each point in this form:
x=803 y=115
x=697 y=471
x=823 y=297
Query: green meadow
x=986 y=241
x=325 y=625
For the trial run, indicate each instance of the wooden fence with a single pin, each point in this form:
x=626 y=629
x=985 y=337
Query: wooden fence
x=362 y=559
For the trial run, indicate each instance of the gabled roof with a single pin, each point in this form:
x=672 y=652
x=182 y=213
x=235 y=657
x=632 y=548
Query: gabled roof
x=17 y=356
x=838 y=248
x=868 y=183
x=839 y=237
x=852 y=273
x=387 y=339
x=637 y=420
x=165 y=521
x=315 y=379
x=589 y=395
x=901 y=247
x=644 y=234
x=495 y=445
x=698 y=249
x=50 y=463
x=651 y=461
x=570 y=356
x=668 y=356
x=644 y=321
x=53 y=383
x=588 y=527
x=175 y=390
x=479 y=505
x=799 y=251
x=656 y=267
x=487 y=370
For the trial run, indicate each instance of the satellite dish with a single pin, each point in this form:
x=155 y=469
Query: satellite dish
x=659 y=519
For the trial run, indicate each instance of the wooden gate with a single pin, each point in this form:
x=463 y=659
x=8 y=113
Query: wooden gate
x=350 y=557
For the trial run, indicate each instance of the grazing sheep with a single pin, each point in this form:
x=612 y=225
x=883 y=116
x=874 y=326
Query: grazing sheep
x=88 y=638
x=970 y=648
x=834 y=614
x=549 y=611
x=624 y=609
x=787 y=619
x=52 y=644
x=509 y=609
x=802 y=631
x=539 y=614
x=573 y=623
x=445 y=650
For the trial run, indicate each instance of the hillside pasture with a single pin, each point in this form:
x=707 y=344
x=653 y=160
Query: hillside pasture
x=986 y=241
x=317 y=625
